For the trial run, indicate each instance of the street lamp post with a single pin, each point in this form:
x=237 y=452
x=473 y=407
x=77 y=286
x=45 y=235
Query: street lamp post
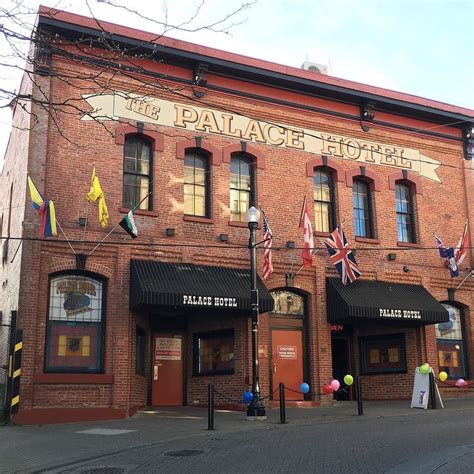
x=255 y=409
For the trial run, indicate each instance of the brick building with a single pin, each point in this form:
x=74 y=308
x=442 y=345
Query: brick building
x=196 y=134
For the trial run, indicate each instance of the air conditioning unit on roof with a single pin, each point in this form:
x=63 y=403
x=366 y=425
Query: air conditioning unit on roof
x=315 y=67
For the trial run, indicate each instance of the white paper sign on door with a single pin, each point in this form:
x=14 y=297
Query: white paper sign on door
x=167 y=348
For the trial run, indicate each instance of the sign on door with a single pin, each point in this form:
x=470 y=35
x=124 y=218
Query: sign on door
x=167 y=348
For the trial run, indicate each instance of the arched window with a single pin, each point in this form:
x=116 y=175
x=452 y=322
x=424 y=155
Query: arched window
x=137 y=176
x=287 y=303
x=75 y=324
x=242 y=188
x=451 y=345
x=405 y=213
x=362 y=209
x=196 y=184
x=323 y=192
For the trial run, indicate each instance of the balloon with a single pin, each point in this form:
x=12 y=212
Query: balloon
x=348 y=379
x=425 y=368
x=327 y=389
x=335 y=385
x=443 y=376
x=304 y=387
x=460 y=383
x=248 y=396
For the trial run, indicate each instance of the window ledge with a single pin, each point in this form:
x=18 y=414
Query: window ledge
x=201 y=220
x=238 y=224
x=316 y=233
x=409 y=244
x=367 y=240
x=140 y=212
x=74 y=378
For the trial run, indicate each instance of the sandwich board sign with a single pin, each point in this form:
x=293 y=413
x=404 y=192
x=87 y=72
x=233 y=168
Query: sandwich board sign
x=421 y=390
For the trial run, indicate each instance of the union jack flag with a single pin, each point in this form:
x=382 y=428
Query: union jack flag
x=267 y=248
x=341 y=256
x=463 y=245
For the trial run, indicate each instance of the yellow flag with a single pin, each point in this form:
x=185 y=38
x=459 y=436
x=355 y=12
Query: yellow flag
x=95 y=194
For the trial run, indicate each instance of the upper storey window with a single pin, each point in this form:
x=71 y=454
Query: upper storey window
x=196 y=184
x=323 y=192
x=242 y=186
x=137 y=176
x=362 y=208
x=405 y=213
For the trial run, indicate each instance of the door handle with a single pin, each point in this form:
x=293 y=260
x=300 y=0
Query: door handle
x=274 y=368
x=155 y=372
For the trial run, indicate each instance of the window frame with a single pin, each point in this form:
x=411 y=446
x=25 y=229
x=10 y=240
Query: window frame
x=251 y=161
x=368 y=212
x=101 y=338
x=149 y=142
x=384 y=339
x=332 y=200
x=207 y=182
x=462 y=342
x=410 y=213
x=221 y=333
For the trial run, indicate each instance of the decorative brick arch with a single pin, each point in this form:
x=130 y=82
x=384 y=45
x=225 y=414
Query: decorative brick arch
x=407 y=176
x=244 y=147
x=197 y=142
x=323 y=161
x=156 y=137
x=70 y=265
x=364 y=172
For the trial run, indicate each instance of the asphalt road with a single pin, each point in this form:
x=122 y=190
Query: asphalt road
x=389 y=438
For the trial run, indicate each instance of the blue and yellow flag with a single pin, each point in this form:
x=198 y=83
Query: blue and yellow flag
x=45 y=210
x=95 y=194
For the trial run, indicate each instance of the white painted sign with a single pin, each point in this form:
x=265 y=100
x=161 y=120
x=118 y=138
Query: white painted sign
x=121 y=105
x=215 y=301
x=399 y=313
x=286 y=352
x=421 y=390
x=167 y=348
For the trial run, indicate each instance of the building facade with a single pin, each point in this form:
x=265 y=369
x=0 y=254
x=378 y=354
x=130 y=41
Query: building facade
x=194 y=136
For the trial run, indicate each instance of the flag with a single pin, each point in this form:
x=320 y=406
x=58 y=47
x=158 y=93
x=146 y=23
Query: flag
x=128 y=224
x=443 y=250
x=45 y=210
x=451 y=262
x=463 y=245
x=267 y=248
x=341 y=256
x=95 y=194
x=308 y=242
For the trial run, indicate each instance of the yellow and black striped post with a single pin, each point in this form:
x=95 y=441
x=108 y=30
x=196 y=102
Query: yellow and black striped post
x=16 y=371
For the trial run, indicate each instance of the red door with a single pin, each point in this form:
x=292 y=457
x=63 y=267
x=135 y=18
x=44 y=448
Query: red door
x=167 y=370
x=287 y=362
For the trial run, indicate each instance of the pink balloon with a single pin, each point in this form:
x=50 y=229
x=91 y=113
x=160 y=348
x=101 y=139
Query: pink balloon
x=335 y=385
x=461 y=383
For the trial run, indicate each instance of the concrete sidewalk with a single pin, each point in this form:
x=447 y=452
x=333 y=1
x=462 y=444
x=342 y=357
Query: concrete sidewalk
x=60 y=447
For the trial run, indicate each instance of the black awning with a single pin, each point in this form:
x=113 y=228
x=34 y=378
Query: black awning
x=382 y=301
x=192 y=287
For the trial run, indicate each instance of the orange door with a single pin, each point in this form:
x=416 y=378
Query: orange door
x=287 y=362
x=167 y=370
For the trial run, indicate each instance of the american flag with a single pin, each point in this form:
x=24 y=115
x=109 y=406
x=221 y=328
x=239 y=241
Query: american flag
x=267 y=248
x=463 y=245
x=308 y=241
x=341 y=256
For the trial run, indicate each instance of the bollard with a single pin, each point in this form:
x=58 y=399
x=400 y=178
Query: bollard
x=282 y=403
x=432 y=399
x=360 y=405
x=210 y=407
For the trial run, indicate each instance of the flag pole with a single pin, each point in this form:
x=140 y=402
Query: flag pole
x=469 y=273
x=316 y=250
x=133 y=209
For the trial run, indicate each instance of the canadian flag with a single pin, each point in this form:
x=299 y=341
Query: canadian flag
x=308 y=241
x=463 y=245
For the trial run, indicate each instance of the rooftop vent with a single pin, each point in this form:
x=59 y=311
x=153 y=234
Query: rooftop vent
x=315 y=67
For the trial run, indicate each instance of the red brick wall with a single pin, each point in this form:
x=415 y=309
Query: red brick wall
x=62 y=169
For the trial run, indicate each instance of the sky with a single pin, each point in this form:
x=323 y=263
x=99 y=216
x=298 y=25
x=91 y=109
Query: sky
x=420 y=47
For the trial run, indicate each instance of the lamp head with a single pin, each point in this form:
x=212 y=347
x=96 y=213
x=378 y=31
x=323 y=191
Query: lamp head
x=252 y=215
